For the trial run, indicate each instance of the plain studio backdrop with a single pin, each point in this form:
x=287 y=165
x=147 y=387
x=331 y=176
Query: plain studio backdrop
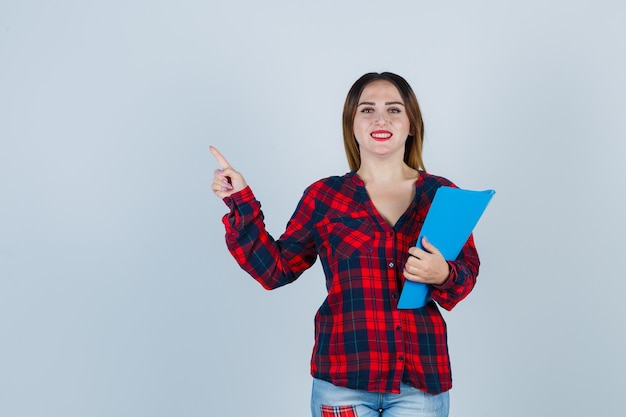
x=117 y=294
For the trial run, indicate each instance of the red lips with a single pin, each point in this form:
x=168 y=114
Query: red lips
x=381 y=135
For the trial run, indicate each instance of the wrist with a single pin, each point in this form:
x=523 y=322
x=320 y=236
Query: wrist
x=446 y=276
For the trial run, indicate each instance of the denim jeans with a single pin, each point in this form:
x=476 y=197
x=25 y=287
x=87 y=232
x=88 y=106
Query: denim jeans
x=329 y=400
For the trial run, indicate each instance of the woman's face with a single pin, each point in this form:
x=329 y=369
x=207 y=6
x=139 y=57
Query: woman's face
x=381 y=124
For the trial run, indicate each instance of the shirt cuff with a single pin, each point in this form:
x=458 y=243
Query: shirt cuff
x=240 y=197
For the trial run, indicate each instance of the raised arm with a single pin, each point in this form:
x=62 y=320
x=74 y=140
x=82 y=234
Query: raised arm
x=272 y=263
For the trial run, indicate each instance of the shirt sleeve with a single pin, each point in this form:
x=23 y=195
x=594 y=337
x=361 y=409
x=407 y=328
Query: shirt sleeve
x=273 y=263
x=463 y=273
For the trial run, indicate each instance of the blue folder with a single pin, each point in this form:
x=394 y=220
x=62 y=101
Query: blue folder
x=451 y=218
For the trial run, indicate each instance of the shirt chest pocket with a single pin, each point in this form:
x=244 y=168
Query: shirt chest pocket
x=350 y=237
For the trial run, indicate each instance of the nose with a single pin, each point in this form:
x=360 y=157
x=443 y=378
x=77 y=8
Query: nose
x=381 y=119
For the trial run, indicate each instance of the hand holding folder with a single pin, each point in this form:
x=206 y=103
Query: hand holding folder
x=451 y=218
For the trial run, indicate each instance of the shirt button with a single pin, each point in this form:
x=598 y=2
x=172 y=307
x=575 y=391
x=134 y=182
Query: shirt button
x=400 y=358
x=394 y=296
x=391 y=264
x=398 y=328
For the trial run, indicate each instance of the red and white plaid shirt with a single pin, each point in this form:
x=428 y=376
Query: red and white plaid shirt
x=362 y=340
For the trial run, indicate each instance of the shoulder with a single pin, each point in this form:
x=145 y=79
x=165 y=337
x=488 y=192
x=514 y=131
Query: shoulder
x=434 y=181
x=333 y=191
x=331 y=184
x=428 y=184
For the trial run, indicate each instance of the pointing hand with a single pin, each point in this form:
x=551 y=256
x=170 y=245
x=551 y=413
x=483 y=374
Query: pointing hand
x=226 y=181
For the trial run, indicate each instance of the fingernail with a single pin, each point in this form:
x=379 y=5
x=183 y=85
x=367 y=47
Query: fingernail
x=225 y=181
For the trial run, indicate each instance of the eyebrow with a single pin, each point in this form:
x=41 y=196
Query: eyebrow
x=389 y=103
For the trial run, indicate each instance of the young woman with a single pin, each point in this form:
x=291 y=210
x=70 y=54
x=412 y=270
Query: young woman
x=369 y=358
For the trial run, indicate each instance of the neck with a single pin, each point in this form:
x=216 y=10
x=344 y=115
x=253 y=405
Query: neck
x=385 y=171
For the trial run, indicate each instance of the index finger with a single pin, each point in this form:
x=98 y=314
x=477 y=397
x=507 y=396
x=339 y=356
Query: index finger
x=220 y=158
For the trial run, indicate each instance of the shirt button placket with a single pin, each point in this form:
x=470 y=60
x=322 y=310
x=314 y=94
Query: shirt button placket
x=399 y=337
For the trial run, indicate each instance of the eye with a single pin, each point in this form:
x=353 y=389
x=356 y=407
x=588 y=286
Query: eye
x=394 y=110
x=367 y=110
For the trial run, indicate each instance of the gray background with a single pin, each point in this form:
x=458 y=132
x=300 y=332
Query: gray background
x=117 y=294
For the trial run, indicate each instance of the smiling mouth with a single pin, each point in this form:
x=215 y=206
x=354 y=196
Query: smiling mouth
x=381 y=135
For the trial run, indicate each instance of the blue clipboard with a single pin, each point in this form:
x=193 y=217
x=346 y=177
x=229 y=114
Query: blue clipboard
x=451 y=218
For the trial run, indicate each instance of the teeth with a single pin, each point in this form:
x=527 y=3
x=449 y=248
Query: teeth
x=381 y=135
